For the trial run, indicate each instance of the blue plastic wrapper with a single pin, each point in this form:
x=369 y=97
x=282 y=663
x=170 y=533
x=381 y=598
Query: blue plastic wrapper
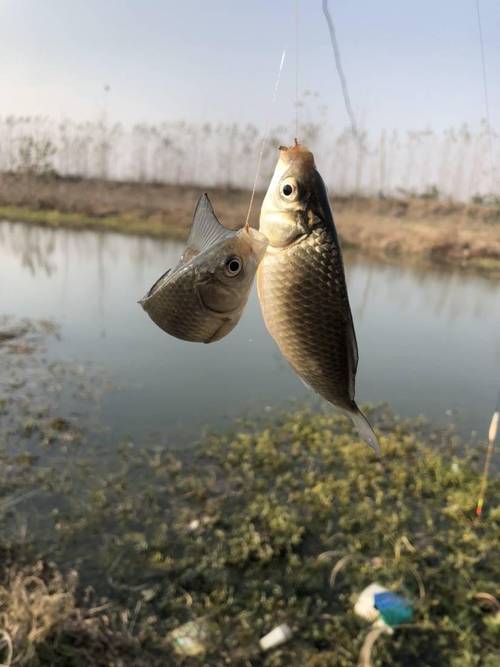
x=393 y=608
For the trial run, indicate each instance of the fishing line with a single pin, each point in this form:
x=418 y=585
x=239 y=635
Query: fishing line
x=485 y=92
x=340 y=69
x=296 y=68
x=265 y=137
x=492 y=434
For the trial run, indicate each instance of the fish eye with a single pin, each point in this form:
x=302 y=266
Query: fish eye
x=233 y=266
x=288 y=189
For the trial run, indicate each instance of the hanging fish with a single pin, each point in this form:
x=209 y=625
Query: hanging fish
x=302 y=288
x=203 y=297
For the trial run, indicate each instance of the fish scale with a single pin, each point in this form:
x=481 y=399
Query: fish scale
x=187 y=320
x=302 y=288
x=302 y=296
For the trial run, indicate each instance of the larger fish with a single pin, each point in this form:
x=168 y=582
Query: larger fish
x=203 y=297
x=302 y=288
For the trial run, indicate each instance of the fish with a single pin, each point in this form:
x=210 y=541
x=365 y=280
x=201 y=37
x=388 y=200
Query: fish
x=302 y=288
x=202 y=298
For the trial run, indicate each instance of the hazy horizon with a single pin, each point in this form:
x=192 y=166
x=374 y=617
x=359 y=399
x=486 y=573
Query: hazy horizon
x=409 y=67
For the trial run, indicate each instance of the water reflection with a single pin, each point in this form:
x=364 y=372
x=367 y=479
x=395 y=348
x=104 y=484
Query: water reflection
x=449 y=293
x=429 y=338
x=31 y=244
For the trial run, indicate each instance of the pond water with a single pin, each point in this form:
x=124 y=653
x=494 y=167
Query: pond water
x=429 y=338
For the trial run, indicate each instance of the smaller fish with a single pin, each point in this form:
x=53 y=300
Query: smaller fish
x=203 y=297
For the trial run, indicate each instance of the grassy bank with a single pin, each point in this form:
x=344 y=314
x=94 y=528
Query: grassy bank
x=467 y=236
x=158 y=210
x=119 y=546
x=123 y=223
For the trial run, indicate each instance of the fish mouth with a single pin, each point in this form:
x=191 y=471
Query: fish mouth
x=297 y=153
x=257 y=240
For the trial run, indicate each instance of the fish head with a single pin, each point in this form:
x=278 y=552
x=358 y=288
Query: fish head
x=201 y=299
x=296 y=190
x=228 y=270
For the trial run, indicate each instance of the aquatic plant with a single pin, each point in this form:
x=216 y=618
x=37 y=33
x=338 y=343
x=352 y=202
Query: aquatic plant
x=280 y=520
x=248 y=532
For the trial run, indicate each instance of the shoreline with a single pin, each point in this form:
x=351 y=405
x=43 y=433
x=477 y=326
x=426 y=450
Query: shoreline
x=465 y=236
x=126 y=554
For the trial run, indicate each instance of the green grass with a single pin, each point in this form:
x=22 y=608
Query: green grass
x=489 y=265
x=275 y=506
x=126 y=223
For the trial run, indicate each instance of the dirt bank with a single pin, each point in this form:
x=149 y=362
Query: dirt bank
x=466 y=235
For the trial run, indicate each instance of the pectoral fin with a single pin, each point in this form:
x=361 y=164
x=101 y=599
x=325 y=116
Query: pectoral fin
x=223 y=330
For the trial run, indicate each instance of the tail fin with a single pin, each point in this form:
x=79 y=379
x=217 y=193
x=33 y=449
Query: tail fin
x=365 y=431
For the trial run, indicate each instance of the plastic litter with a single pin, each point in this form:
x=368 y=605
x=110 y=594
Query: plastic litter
x=378 y=604
x=365 y=606
x=191 y=638
x=279 y=635
x=394 y=609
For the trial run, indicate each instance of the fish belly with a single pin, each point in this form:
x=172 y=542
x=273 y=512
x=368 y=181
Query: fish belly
x=304 y=302
x=179 y=311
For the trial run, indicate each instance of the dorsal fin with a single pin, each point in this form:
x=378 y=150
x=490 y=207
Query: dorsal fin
x=206 y=229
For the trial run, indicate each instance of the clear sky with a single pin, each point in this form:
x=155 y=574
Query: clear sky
x=409 y=63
